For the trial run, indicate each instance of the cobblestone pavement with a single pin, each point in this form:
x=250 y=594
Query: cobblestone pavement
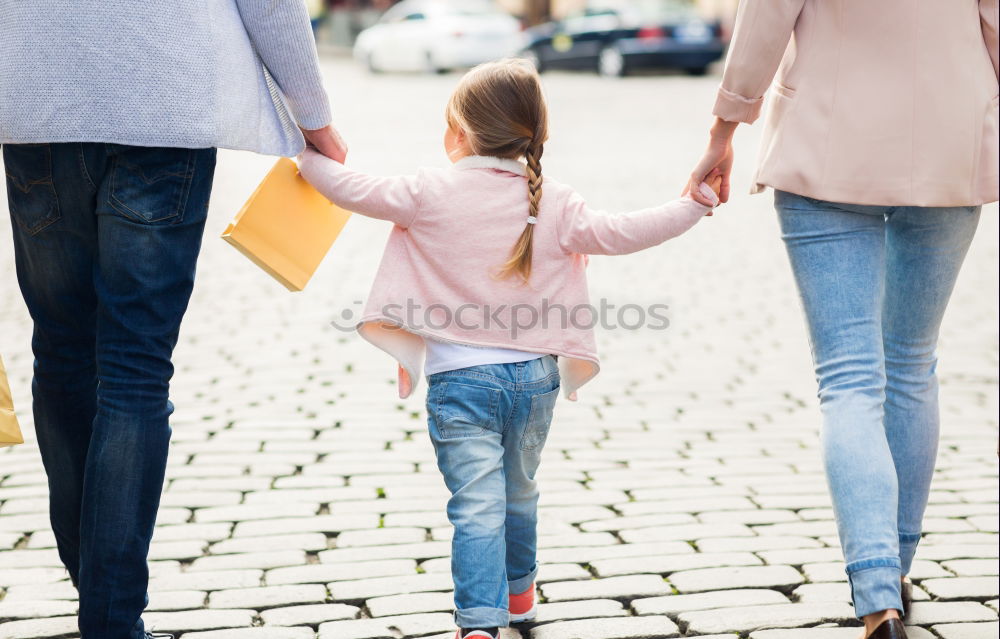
x=682 y=496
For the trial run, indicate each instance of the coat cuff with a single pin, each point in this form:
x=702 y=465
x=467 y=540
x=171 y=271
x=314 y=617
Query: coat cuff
x=733 y=107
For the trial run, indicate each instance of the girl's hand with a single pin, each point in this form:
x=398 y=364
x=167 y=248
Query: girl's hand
x=714 y=180
x=709 y=190
x=328 y=142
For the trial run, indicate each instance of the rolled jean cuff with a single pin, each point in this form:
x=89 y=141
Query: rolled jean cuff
x=907 y=549
x=519 y=586
x=482 y=618
x=875 y=585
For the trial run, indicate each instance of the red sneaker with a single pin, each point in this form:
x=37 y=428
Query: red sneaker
x=477 y=634
x=522 y=606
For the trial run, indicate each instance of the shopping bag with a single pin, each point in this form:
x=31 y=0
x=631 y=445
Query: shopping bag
x=10 y=432
x=287 y=226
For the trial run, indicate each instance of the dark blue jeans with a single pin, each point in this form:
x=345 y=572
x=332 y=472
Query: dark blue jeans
x=105 y=241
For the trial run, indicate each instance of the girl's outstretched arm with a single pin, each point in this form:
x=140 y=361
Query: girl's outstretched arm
x=395 y=199
x=583 y=230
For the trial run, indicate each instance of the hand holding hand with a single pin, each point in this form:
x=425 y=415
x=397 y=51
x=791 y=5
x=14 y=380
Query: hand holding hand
x=718 y=156
x=714 y=180
x=709 y=191
x=328 y=142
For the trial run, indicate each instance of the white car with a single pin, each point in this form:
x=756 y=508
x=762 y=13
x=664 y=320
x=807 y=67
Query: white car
x=438 y=35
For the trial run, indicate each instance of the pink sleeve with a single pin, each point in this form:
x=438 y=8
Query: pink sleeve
x=395 y=199
x=589 y=232
x=763 y=29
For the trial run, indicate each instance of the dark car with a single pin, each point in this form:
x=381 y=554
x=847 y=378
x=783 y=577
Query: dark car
x=614 y=40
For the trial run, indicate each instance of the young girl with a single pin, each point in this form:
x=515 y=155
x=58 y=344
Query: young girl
x=482 y=285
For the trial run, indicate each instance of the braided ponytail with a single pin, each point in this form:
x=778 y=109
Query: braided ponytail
x=519 y=262
x=501 y=109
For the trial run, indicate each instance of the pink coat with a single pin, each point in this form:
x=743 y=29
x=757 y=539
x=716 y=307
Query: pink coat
x=454 y=227
x=887 y=102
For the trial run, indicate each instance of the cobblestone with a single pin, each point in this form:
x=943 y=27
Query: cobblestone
x=962 y=588
x=689 y=581
x=629 y=587
x=792 y=615
x=674 y=604
x=268 y=597
x=682 y=494
x=253 y=633
x=623 y=628
x=38 y=628
x=198 y=620
x=311 y=615
x=587 y=608
x=967 y=630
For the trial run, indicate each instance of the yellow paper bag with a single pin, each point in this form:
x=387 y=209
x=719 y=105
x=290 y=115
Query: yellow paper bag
x=10 y=432
x=287 y=226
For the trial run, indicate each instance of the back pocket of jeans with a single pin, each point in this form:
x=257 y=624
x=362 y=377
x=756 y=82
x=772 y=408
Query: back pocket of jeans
x=150 y=184
x=465 y=410
x=31 y=192
x=539 y=420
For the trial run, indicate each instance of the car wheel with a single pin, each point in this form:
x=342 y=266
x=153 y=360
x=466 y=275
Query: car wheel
x=696 y=71
x=533 y=58
x=431 y=65
x=611 y=62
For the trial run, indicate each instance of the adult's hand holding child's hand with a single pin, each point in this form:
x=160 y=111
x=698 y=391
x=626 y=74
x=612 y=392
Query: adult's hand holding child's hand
x=708 y=190
x=328 y=142
x=717 y=157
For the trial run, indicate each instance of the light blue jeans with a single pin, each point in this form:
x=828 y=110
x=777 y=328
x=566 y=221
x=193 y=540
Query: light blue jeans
x=874 y=282
x=488 y=425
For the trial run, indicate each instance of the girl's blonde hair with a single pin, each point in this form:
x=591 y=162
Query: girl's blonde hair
x=501 y=109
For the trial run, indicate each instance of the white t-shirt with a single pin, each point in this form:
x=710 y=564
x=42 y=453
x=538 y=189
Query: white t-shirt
x=448 y=356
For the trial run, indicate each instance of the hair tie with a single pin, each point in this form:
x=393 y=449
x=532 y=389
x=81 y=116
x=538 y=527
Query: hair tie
x=532 y=219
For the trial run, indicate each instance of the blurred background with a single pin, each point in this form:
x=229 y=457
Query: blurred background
x=609 y=37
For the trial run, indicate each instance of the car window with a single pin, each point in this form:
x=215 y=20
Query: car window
x=471 y=8
x=592 y=20
x=403 y=11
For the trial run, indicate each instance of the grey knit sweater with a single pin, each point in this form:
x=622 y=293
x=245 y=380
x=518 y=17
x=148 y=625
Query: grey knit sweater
x=238 y=74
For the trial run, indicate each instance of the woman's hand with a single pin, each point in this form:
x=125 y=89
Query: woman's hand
x=328 y=142
x=718 y=155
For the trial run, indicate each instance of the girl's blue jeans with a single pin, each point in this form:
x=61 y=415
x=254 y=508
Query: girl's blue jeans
x=875 y=281
x=488 y=425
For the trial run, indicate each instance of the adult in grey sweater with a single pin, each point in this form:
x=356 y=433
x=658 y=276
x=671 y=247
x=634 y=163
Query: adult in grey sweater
x=110 y=115
x=237 y=74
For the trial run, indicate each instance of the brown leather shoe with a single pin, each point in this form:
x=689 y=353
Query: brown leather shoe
x=889 y=629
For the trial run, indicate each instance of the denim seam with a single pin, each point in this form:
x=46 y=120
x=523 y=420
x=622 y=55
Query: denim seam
x=531 y=427
x=477 y=375
x=482 y=611
x=179 y=207
x=872 y=562
x=494 y=409
x=83 y=167
x=46 y=181
x=510 y=415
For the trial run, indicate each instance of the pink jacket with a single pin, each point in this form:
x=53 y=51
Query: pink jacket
x=888 y=102
x=454 y=227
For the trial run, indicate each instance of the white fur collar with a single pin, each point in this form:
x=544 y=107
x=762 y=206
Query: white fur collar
x=487 y=162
